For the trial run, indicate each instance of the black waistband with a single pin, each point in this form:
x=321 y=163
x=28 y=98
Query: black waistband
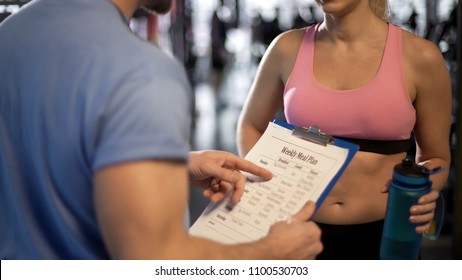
x=384 y=147
x=351 y=242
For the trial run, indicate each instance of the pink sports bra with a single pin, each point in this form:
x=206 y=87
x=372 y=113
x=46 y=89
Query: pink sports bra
x=380 y=110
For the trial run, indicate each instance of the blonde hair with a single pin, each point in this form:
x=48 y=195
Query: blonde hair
x=380 y=8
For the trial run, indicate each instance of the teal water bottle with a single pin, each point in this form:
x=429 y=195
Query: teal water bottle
x=400 y=241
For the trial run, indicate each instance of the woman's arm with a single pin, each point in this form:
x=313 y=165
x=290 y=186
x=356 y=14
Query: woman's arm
x=265 y=98
x=433 y=108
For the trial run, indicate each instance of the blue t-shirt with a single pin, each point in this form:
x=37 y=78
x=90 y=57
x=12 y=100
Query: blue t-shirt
x=78 y=91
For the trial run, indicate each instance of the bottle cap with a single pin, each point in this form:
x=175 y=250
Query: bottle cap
x=411 y=173
x=408 y=168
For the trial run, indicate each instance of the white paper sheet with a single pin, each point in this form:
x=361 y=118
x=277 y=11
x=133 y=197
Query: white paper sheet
x=302 y=170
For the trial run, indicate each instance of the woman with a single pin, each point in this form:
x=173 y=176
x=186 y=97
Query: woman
x=359 y=77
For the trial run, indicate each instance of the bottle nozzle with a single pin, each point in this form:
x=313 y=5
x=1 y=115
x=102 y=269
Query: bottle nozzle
x=435 y=170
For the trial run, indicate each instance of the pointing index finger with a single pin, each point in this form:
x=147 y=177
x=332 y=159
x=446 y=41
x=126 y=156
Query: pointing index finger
x=250 y=167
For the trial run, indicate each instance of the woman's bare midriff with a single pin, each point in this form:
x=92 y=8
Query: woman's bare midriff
x=357 y=197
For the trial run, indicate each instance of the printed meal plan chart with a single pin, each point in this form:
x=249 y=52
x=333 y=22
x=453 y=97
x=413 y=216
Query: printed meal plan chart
x=302 y=171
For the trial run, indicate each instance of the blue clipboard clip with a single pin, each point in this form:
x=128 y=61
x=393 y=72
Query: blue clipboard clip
x=313 y=134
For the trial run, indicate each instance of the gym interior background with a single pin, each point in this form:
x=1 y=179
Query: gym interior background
x=220 y=43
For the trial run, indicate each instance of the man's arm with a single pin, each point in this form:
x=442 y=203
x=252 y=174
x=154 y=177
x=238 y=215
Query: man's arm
x=141 y=205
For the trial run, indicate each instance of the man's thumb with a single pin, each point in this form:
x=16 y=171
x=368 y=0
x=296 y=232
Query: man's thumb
x=306 y=212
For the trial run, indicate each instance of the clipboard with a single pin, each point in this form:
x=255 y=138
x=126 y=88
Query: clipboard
x=315 y=135
x=306 y=163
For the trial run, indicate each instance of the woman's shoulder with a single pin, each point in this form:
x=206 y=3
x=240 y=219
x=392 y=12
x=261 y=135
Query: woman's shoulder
x=283 y=52
x=420 y=51
x=296 y=33
x=289 y=41
x=424 y=61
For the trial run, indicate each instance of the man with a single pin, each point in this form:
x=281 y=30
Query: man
x=94 y=154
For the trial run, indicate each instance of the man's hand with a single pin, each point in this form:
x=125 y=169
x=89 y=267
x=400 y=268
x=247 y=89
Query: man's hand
x=218 y=172
x=296 y=237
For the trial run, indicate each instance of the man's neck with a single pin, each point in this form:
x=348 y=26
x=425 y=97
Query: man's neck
x=126 y=7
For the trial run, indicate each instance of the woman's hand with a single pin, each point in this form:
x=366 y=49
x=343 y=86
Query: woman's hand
x=424 y=211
